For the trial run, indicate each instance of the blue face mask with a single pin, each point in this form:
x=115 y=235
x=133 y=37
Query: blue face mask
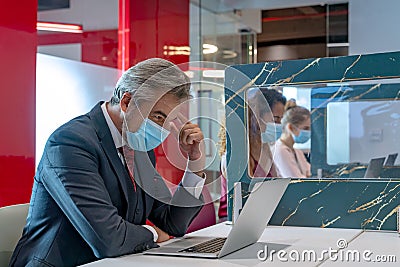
x=303 y=137
x=272 y=133
x=149 y=136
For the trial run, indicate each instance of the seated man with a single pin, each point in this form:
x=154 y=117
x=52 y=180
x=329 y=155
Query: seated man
x=96 y=185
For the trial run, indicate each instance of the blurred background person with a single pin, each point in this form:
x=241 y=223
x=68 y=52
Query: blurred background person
x=276 y=102
x=296 y=125
x=266 y=108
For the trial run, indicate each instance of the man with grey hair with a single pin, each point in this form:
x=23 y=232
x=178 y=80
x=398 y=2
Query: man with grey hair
x=96 y=185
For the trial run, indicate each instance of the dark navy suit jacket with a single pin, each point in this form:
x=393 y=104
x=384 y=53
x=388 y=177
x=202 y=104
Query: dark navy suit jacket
x=83 y=205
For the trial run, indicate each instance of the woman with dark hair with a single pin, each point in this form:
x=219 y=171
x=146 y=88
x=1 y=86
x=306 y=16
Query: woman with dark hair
x=266 y=108
x=289 y=161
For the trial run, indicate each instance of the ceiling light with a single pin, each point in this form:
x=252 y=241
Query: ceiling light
x=209 y=49
x=214 y=73
x=59 y=27
x=176 y=50
x=229 y=54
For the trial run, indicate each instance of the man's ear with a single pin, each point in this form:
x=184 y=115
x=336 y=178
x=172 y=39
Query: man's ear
x=124 y=103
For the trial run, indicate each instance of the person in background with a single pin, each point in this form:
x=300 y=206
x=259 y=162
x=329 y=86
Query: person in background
x=266 y=107
x=289 y=104
x=296 y=125
x=96 y=184
x=276 y=102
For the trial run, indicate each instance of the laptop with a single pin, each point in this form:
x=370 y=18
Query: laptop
x=247 y=230
x=374 y=168
x=391 y=159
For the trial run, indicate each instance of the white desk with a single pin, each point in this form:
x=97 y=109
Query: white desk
x=278 y=237
x=381 y=246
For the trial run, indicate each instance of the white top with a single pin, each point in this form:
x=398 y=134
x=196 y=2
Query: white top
x=190 y=181
x=289 y=163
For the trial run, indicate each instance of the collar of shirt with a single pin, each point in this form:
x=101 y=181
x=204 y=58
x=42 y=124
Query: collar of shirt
x=116 y=135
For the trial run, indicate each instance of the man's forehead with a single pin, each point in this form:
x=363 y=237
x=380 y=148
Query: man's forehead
x=168 y=106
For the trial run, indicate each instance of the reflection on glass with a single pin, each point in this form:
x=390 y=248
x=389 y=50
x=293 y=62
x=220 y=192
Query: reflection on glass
x=357 y=129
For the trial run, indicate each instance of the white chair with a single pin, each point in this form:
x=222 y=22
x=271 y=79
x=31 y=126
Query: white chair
x=12 y=222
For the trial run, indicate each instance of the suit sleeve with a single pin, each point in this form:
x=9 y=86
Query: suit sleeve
x=70 y=174
x=172 y=215
x=174 y=218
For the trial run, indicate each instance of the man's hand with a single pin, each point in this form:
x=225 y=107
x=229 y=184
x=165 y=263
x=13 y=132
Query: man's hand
x=162 y=236
x=191 y=142
x=189 y=136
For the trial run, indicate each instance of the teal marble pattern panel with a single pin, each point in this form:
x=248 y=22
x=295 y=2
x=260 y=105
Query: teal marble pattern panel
x=342 y=198
x=339 y=203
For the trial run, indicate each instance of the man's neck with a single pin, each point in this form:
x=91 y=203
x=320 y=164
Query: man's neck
x=115 y=114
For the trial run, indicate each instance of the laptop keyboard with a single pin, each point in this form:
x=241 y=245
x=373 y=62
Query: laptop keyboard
x=211 y=246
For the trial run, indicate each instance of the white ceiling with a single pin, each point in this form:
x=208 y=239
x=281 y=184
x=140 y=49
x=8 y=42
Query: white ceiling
x=229 y=5
x=91 y=14
x=103 y=14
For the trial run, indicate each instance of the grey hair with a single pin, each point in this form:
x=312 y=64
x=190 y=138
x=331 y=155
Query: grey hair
x=295 y=115
x=151 y=79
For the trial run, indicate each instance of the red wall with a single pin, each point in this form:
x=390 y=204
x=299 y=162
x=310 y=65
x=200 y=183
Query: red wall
x=17 y=94
x=98 y=47
x=156 y=23
x=145 y=28
x=149 y=26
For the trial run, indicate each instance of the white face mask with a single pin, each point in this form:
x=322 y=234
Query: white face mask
x=149 y=135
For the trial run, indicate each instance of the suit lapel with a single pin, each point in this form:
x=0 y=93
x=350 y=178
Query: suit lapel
x=149 y=179
x=146 y=177
x=107 y=143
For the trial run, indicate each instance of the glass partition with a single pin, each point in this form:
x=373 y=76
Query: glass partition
x=354 y=118
x=354 y=128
